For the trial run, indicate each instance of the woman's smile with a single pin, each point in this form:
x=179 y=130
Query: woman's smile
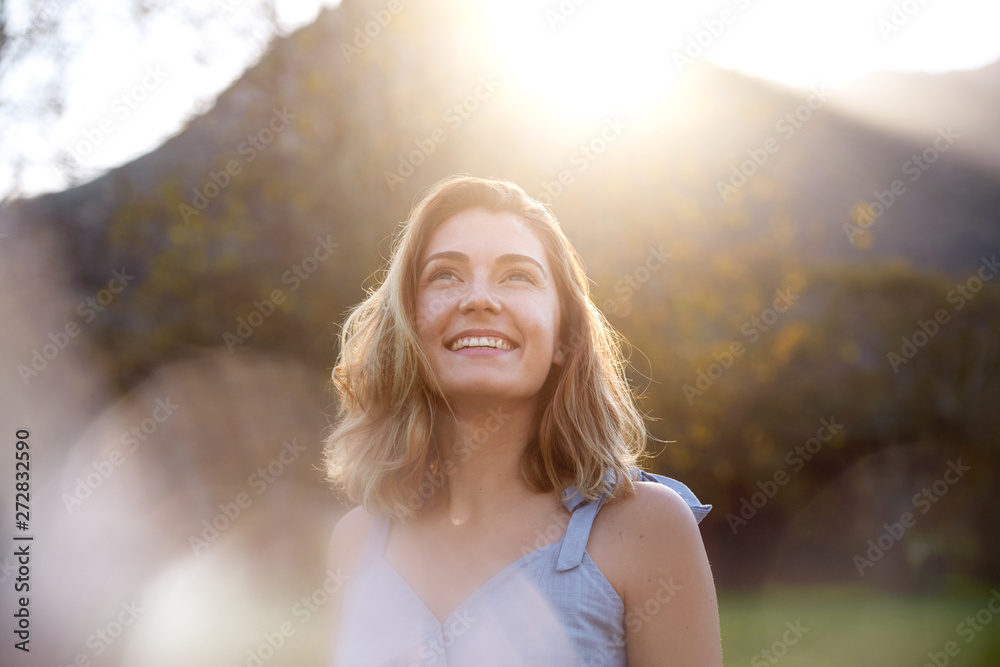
x=468 y=341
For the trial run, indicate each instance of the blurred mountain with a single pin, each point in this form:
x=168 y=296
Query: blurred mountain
x=916 y=104
x=292 y=183
x=698 y=157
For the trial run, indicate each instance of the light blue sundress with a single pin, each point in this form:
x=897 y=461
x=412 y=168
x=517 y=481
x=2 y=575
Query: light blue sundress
x=551 y=607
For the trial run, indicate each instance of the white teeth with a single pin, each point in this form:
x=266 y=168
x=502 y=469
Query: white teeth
x=492 y=343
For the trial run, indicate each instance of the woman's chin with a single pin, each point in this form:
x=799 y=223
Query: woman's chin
x=486 y=393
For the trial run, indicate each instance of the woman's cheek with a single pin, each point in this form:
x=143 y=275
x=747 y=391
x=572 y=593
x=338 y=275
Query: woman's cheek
x=429 y=309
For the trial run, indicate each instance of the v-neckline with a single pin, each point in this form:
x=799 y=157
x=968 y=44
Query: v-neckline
x=479 y=591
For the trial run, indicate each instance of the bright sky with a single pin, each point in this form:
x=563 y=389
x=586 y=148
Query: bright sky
x=575 y=53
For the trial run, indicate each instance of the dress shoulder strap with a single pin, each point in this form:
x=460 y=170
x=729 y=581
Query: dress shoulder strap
x=583 y=513
x=574 y=542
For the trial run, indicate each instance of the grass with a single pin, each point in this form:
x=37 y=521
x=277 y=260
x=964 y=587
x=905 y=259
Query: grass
x=856 y=627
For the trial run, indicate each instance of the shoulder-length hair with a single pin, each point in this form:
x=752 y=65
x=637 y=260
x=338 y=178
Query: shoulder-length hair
x=381 y=451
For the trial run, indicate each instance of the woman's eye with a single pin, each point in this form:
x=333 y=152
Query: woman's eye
x=521 y=275
x=443 y=273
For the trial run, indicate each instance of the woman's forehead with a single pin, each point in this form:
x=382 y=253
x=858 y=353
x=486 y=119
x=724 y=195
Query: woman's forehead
x=481 y=233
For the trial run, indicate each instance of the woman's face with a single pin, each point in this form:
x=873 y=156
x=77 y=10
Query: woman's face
x=487 y=307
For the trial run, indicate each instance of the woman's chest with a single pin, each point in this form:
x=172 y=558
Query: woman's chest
x=518 y=617
x=445 y=573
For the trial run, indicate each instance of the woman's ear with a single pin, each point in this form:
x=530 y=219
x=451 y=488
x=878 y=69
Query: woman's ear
x=559 y=355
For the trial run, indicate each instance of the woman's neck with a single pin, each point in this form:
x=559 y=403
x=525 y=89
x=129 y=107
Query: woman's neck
x=481 y=449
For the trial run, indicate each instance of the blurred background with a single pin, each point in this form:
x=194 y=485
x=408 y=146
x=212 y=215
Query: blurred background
x=790 y=210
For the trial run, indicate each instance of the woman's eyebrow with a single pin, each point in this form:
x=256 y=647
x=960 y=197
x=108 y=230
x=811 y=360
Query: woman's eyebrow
x=446 y=254
x=509 y=258
x=513 y=258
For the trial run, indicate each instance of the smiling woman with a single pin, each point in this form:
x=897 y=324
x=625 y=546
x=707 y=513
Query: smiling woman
x=489 y=435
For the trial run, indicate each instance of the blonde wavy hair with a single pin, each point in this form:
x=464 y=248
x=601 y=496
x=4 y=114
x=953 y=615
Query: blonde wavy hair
x=382 y=448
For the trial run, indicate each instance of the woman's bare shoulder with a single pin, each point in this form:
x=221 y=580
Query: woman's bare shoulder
x=347 y=543
x=632 y=536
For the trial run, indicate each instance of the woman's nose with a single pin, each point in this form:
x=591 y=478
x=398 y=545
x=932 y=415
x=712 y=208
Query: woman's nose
x=480 y=295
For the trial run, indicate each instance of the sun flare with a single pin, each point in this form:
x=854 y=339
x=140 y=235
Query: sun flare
x=587 y=57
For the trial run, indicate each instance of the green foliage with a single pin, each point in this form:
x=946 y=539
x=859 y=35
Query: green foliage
x=852 y=626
